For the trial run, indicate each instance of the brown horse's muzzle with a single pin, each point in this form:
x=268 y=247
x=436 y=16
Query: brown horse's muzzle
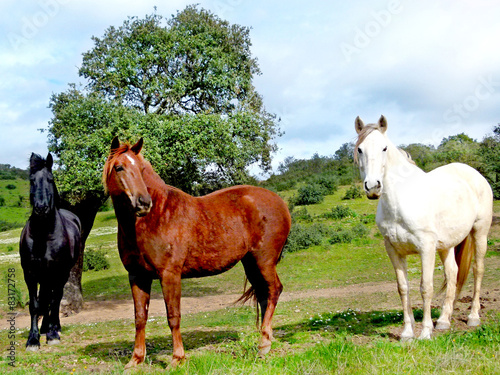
x=143 y=205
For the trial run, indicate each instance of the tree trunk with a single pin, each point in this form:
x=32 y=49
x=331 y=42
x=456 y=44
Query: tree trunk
x=72 y=301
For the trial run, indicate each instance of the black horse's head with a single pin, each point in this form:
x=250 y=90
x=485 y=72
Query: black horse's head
x=43 y=192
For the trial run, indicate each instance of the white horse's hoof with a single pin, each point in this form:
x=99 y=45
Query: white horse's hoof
x=473 y=322
x=425 y=336
x=443 y=325
x=53 y=342
x=32 y=348
x=406 y=338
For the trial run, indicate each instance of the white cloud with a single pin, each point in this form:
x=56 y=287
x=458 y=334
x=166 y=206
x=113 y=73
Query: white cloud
x=422 y=64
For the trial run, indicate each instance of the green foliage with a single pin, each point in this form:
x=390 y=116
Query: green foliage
x=94 y=260
x=10 y=187
x=321 y=170
x=304 y=236
x=301 y=214
x=8 y=172
x=185 y=85
x=353 y=192
x=348 y=235
x=339 y=212
x=309 y=194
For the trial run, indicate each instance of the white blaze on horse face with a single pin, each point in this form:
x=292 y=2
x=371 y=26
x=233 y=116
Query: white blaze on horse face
x=372 y=156
x=131 y=159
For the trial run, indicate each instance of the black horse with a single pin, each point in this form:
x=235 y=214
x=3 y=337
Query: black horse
x=49 y=247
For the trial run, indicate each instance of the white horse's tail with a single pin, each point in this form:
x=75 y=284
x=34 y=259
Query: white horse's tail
x=463 y=257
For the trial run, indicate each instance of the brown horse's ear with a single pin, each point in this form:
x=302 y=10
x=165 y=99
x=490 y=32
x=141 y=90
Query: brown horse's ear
x=358 y=125
x=382 y=124
x=137 y=147
x=115 y=143
x=49 y=161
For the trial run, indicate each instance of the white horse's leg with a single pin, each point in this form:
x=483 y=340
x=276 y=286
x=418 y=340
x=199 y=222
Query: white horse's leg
x=400 y=267
x=481 y=242
x=427 y=289
x=450 y=271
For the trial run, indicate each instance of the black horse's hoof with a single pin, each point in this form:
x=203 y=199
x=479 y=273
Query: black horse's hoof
x=53 y=337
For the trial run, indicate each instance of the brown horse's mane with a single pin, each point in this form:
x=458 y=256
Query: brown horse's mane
x=154 y=180
x=111 y=161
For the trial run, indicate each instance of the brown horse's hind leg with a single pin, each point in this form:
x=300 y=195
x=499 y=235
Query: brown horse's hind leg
x=268 y=288
x=141 y=289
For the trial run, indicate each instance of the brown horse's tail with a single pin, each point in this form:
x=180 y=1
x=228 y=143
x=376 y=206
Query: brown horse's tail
x=249 y=294
x=463 y=256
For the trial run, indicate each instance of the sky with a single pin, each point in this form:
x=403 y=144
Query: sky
x=432 y=68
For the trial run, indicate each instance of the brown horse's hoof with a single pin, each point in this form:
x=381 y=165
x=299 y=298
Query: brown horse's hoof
x=263 y=350
x=176 y=361
x=132 y=363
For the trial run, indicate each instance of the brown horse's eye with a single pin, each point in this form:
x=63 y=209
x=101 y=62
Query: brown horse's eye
x=119 y=168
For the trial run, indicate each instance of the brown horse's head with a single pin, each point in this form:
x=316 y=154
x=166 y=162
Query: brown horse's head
x=123 y=175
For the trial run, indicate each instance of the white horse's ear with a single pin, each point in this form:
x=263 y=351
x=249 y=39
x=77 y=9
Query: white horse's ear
x=358 y=125
x=382 y=124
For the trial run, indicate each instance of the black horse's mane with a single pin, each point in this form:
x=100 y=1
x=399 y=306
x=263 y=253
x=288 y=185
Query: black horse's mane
x=37 y=163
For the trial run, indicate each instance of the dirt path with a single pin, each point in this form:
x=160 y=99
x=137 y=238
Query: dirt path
x=99 y=311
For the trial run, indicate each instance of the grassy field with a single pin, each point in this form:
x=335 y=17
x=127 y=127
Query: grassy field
x=353 y=334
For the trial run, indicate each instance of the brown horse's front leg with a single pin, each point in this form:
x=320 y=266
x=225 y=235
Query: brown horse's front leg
x=141 y=289
x=171 y=287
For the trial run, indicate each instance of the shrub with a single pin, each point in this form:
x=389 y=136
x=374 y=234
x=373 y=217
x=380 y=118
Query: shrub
x=302 y=237
x=309 y=194
x=353 y=192
x=347 y=235
x=10 y=187
x=301 y=214
x=327 y=183
x=340 y=212
x=94 y=260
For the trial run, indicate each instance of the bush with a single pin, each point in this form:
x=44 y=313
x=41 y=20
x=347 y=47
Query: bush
x=301 y=214
x=10 y=187
x=309 y=194
x=340 y=212
x=94 y=260
x=347 y=235
x=353 y=192
x=302 y=237
x=327 y=183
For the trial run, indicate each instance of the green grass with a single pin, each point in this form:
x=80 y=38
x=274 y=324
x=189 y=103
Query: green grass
x=352 y=333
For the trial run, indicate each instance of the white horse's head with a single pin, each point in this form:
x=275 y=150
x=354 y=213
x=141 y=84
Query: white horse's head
x=370 y=153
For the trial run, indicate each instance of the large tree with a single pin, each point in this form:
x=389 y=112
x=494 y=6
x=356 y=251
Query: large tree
x=185 y=85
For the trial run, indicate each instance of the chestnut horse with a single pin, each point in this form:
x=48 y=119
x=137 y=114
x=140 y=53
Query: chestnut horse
x=167 y=234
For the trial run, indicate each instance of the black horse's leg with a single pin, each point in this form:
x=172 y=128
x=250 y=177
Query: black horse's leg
x=33 y=342
x=43 y=305
x=54 y=325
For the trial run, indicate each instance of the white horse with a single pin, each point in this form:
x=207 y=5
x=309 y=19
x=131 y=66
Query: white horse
x=448 y=210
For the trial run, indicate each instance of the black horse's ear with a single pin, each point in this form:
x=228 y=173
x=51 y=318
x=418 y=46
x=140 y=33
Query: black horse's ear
x=138 y=146
x=49 y=161
x=115 y=143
